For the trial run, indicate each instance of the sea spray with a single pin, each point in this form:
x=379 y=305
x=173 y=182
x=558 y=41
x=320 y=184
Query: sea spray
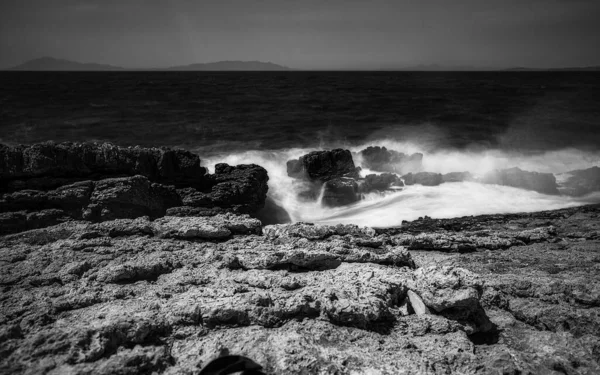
x=447 y=200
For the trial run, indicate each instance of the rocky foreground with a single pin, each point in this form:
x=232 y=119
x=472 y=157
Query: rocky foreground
x=501 y=294
x=130 y=260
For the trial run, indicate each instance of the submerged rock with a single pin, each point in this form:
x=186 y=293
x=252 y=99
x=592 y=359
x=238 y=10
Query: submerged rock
x=544 y=183
x=457 y=177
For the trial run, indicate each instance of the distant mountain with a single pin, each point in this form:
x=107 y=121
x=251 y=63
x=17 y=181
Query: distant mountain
x=569 y=69
x=231 y=65
x=52 y=64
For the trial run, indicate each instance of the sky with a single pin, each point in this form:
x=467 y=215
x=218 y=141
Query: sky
x=304 y=34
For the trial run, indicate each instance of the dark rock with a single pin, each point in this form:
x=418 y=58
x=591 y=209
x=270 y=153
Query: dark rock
x=323 y=166
x=383 y=160
x=544 y=183
x=340 y=192
x=580 y=182
x=423 y=178
x=129 y=197
x=381 y=182
x=457 y=177
x=272 y=213
x=52 y=164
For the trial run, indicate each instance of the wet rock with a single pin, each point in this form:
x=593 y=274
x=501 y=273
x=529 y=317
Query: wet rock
x=272 y=213
x=580 y=182
x=340 y=192
x=323 y=166
x=383 y=160
x=381 y=182
x=423 y=178
x=544 y=183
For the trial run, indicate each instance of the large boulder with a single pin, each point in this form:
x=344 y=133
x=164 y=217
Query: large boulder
x=340 y=192
x=383 y=160
x=423 y=178
x=457 y=177
x=580 y=182
x=241 y=189
x=544 y=183
x=323 y=166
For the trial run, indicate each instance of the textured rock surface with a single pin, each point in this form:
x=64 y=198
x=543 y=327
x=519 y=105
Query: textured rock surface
x=340 y=192
x=169 y=295
x=381 y=182
x=46 y=184
x=383 y=160
x=323 y=166
x=544 y=183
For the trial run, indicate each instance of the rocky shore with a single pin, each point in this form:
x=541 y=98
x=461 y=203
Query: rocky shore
x=158 y=267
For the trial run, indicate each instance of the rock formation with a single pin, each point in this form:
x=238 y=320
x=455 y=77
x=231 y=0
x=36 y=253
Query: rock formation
x=323 y=166
x=381 y=182
x=544 y=183
x=50 y=183
x=340 y=192
x=170 y=295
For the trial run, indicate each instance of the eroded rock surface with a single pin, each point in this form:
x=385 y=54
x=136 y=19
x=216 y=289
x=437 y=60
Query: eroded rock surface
x=171 y=294
x=46 y=184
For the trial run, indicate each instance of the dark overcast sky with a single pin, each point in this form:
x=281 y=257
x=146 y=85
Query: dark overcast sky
x=306 y=34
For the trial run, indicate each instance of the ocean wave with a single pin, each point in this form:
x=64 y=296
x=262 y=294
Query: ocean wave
x=444 y=201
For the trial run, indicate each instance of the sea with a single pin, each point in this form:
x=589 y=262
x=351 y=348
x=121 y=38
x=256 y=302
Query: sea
x=460 y=121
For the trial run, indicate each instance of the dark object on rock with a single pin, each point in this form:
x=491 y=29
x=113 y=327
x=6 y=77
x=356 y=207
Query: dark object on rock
x=230 y=364
x=339 y=192
x=457 y=177
x=423 y=178
x=580 y=182
x=544 y=183
x=50 y=164
x=323 y=165
x=383 y=160
x=381 y=182
x=272 y=213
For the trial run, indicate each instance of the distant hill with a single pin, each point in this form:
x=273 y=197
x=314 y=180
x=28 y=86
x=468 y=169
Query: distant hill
x=231 y=65
x=569 y=69
x=52 y=64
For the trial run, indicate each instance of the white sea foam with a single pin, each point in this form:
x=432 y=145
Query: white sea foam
x=444 y=201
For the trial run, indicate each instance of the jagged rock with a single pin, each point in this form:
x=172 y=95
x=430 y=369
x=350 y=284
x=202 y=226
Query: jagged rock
x=340 y=192
x=457 y=177
x=213 y=227
x=118 y=297
x=423 y=178
x=129 y=197
x=580 y=182
x=383 y=160
x=323 y=166
x=381 y=182
x=48 y=162
x=544 y=183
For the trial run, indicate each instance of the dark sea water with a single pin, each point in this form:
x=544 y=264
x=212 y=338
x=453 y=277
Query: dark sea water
x=476 y=121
